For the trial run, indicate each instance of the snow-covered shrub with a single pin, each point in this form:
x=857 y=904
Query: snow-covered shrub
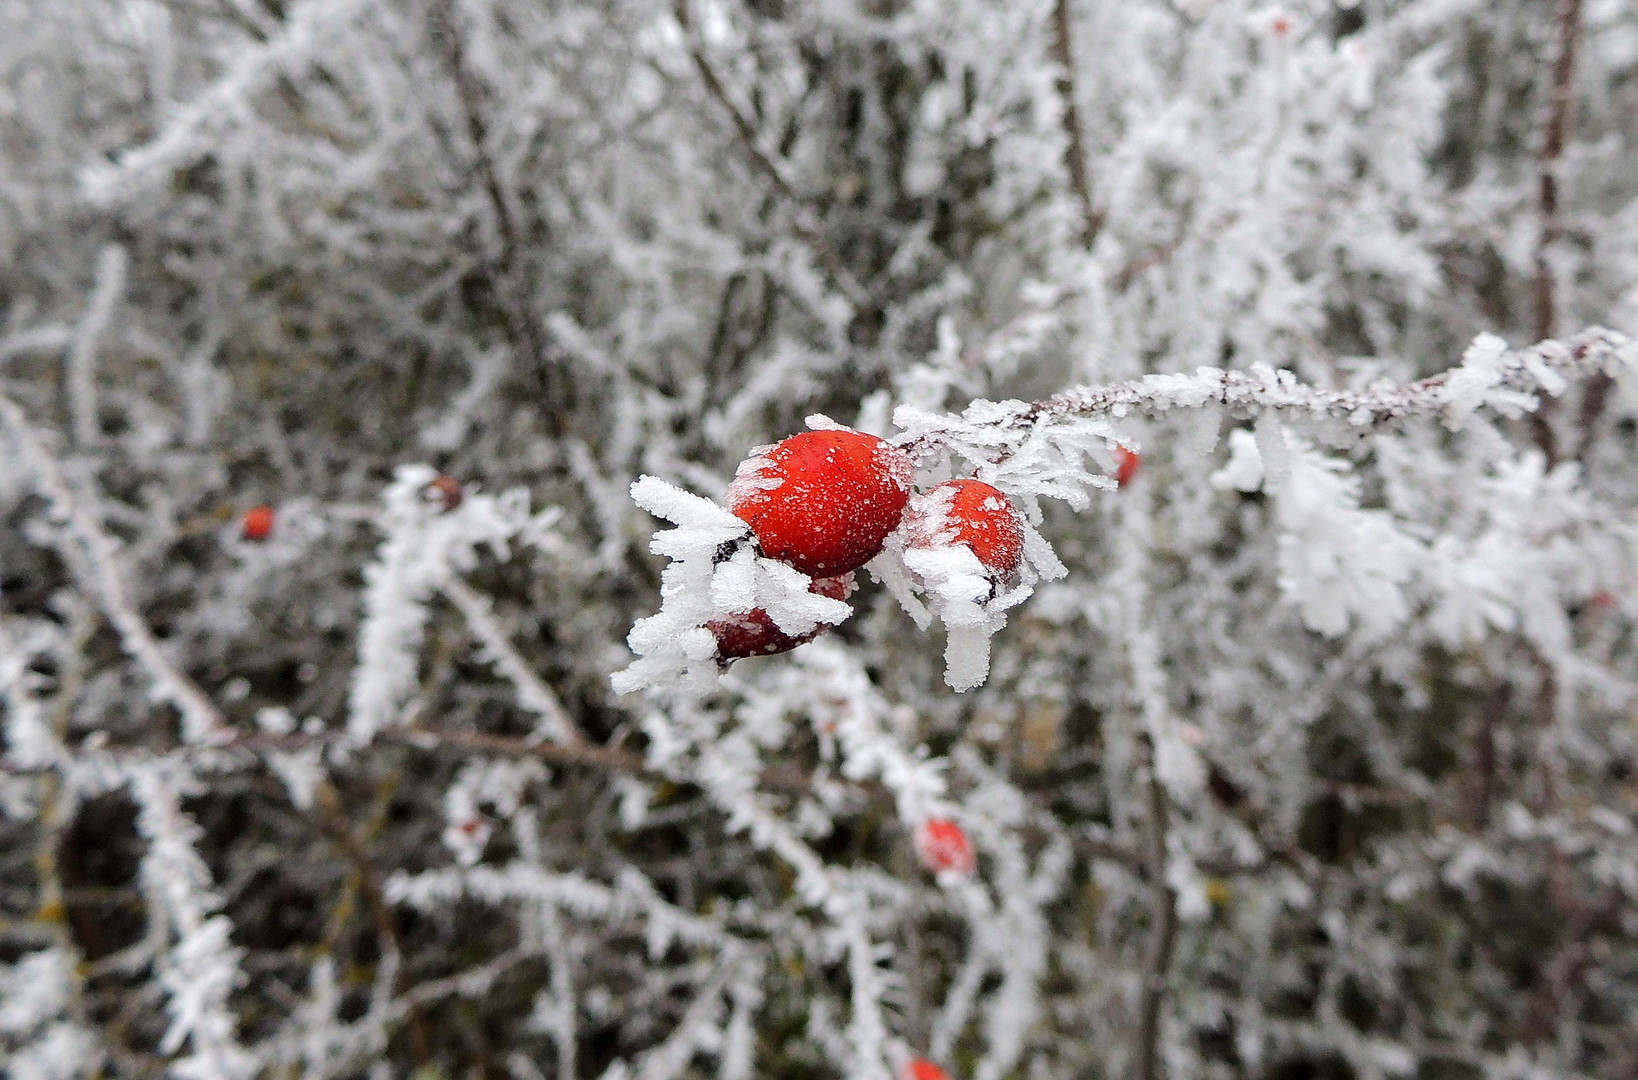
x=1307 y=749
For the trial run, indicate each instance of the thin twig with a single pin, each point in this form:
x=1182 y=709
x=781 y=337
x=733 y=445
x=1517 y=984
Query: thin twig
x=533 y=693
x=505 y=271
x=82 y=355
x=1551 y=225
x=1080 y=176
x=803 y=225
x=200 y=719
x=1524 y=370
x=1157 y=960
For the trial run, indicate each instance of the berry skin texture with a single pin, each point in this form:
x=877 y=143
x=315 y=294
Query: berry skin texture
x=753 y=633
x=823 y=501
x=1126 y=465
x=922 y=1069
x=257 y=524
x=978 y=515
x=942 y=845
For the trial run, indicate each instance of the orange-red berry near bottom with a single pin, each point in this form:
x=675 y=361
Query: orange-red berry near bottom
x=922 y=1069
x=979 y=516
x=942 y=845
x=753 y=633
x=823 y=501
x=257 y=524
x=1126 y=465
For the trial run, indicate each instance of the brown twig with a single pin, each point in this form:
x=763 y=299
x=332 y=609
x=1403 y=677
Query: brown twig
x=1080 y=176
x=1555 y=135
x=765 y=164
x=503 y=271
x=1157 y=961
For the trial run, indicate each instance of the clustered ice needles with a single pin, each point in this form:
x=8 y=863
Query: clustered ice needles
x=701 y=583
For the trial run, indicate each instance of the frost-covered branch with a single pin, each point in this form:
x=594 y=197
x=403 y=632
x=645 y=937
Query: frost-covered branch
x=106 y=581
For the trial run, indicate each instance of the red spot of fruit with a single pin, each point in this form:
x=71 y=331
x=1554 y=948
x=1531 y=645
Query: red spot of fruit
x=922 y=1069
x=1280 y=25
x=1603 y=598
x=943 y=845
x=471 y=826
x=447 y=490
x=823 y=501
x=973 y=513
x=257 y=524
x=1126 y=465
x=753 y=633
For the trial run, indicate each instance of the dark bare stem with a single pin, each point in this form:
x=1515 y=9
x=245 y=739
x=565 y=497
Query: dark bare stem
x=1157 y=961
x=1551 y=225
x=503 y=271
x=1080 y=177
x=333 y=822
x=765 y=164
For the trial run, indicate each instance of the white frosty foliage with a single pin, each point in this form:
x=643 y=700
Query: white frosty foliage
x=1342 y=565
x=712 y=575
x=1309 y=753
x=424 y=546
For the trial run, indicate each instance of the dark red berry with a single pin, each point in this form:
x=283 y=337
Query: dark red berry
x=445 y=490
x=753 y=633
x=823 y=501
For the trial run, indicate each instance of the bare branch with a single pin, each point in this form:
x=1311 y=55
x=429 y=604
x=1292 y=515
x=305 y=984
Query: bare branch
x=533 y=693
x=804 y=225
x=1080 y=177
x=201 y=721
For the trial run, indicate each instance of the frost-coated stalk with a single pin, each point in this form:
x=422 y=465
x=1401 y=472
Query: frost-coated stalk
x=106 y=580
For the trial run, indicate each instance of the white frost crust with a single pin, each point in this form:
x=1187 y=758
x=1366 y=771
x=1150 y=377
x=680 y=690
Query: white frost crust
x=699 y=585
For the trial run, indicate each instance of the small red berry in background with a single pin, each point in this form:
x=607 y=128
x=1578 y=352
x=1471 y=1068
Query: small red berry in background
x=973 y=513
x=823 y=501
x=1603 y=598
x=754 y=633
x=922 y=1069
x=257 y=524
x=1126 y=465
x=943 y=845
x=446 y=490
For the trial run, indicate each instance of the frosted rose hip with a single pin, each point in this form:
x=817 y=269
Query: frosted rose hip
x=753 y=633
x=942 y=845
x=1127 y=463
x=823 y=501
x=973 y=513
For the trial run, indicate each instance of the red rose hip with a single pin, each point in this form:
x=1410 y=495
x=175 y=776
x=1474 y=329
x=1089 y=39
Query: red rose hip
x=1126 y=465
x=257 y=524
x=823 y=501
x=922 y=1069
x=753 y=633
x=942 y=845
x=973 y=513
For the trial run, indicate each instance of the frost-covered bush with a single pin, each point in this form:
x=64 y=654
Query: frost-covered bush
x=1307 y=751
